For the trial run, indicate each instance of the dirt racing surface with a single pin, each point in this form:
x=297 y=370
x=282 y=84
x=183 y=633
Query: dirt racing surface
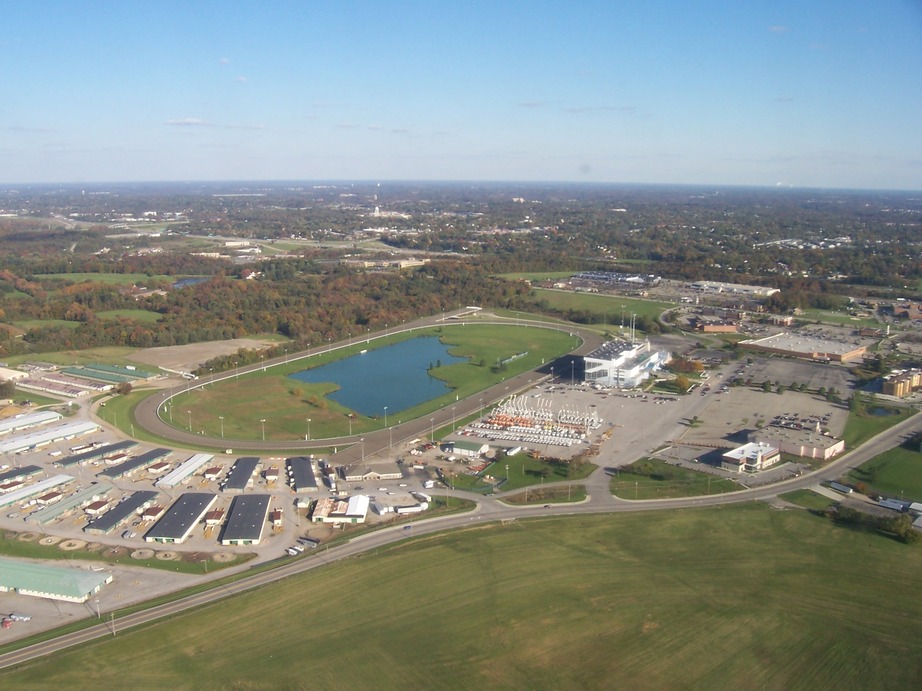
x=187 y=357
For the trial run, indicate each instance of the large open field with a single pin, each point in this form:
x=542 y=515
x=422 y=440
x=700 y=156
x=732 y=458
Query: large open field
x=737 y=597
x=608 y=305
x=287 y=403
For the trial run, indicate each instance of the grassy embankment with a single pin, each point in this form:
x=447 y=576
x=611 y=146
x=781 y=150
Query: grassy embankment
x=736 y=597
x=660 y=480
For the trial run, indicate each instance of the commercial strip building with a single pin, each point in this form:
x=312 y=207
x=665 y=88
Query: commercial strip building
x=751 y=457
x=719 y=287
x=38 y=439
x=180 y=520
x=52 y=582
x=246 y=520
x=14 y=474
x=622 y=364
x=184 y=470
x=381 y=471
x=803 y=443
x=130 y=506
x=804 y=346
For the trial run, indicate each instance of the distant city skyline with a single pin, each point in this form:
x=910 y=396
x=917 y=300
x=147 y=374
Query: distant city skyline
x=819 y=94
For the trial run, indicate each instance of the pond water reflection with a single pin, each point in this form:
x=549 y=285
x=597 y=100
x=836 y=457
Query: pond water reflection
x=395 y=376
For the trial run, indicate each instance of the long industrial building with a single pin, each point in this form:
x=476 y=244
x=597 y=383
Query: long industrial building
x=184 y=470
x=76 y=500
x=246 y=520
x=118 y=514
x=96 y=454
x=240 y=475
x=38 y=439
x=181 y=518
x=28 y=421
x=301 y=475
x=133 y=464
x=52 y=582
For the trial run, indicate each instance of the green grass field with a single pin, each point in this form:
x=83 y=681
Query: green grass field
x=110 y=279
x=43 y=323
x=667 y=482
x=111 y=355
x=524 y=471
x=808 y=499
x=741 y=597
x=609 y=305
x=142 y=316
x=287 y=403
x=860 y=428
x=548 y=495
x=896 y=473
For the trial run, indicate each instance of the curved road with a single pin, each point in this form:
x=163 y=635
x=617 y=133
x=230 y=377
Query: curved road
x=487 y=509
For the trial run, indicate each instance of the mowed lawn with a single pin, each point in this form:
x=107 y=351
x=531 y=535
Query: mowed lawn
x=609 y=305
x=737 y=597
x=142 y=316
x=896 y=473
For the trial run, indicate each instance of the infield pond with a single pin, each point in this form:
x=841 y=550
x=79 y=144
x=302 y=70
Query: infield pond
x=396 y=376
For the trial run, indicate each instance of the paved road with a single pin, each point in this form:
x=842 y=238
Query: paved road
x=487 y=509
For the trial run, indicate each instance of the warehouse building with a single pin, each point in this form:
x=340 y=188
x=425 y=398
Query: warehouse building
x=35 y=490
x=180 y=520
x=126 y=509
x=805 y=346
x=331 y=510
x=28 y=421
x=52 y=582
x=96 y=454
x=131 y=465
x=246 y=520
x=77 y=500
x=382 y=471
x=179 y=475
x=241 y=474
x=38 y=439
x=301 y=474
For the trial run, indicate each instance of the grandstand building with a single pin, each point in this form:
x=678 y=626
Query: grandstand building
x=621 y=364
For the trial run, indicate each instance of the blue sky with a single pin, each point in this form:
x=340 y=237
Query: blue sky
x=815 y=93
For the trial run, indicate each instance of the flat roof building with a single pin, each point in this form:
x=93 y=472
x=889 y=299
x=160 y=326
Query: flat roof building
x=621 y=364
x=246 y=520
x=750 y=457
x=18 y=423
x=329 y=510
x=805 y=346
x=180 y=520
x=38 y=488
x=381 y=471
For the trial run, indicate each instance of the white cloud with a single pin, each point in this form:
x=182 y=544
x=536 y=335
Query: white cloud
x=189 y=122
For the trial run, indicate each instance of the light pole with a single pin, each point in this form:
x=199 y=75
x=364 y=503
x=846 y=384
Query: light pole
x=262 y=361
x=171 y=412
x=236 y=370
x=572 y=371
x=385 y=416
x=363 y=448
x=350 y=424
x=221 y=418
x=308 y=429
x=263 y=423
x=452 y=419
x=432 y=429
x=190 y=419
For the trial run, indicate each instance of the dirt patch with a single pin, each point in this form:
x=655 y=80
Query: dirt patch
x=49 y=540
x=94 y=546
x=188 y=357
x=27 y=537
x=142 y=554
x=167 y=556
x=223 y=557
x=71 y=545
x=115 y=552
